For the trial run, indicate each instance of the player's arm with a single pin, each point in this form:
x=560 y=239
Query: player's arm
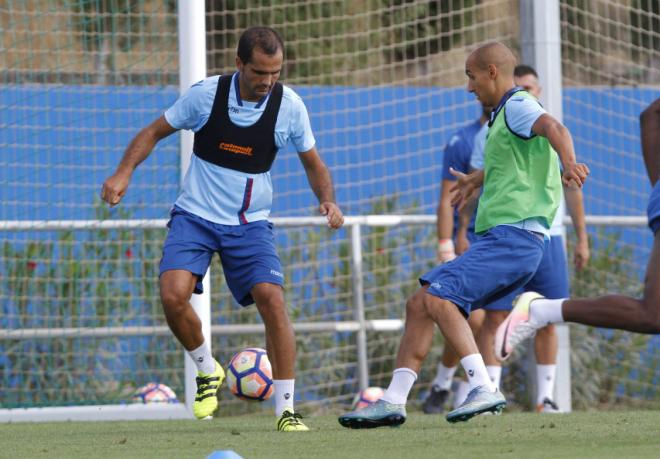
x=575 y=204
x=464 y=217
x=137 y=151
x=445 y=223
x=649 y=123
x=562 y=142
x=320 y=181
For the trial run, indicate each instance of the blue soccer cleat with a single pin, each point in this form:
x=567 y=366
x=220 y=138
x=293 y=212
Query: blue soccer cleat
x=379 y=414
x=479 y=400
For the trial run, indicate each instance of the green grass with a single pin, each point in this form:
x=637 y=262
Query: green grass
x=618 y=435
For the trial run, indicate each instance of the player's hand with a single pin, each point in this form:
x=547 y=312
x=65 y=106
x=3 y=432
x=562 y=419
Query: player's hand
x=332 y=213
x=114 y=188
x=582 y=254
x=575 y=174
x=466 y=187
x=462 y=243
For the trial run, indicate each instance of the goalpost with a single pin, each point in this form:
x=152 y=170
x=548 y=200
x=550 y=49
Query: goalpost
x=81 y=324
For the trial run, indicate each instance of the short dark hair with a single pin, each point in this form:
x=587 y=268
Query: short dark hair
x=522 y=70
x=264 y=38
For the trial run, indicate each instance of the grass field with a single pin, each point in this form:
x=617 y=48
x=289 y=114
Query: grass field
x=622 y=434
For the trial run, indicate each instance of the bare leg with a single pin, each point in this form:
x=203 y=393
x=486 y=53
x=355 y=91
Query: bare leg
x=545 y=346
x=449 y=356
x=280 y=339
x=623 y=312
x=486 y=336
x=452 y=324
x=176 y=288
x=417 y=334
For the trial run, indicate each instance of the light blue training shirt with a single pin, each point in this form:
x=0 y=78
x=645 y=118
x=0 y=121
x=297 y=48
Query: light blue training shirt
x=216 y=193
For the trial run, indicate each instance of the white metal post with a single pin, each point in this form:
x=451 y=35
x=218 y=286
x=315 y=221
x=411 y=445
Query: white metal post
x=192 y=68
x=358 y=298
x=540 y=30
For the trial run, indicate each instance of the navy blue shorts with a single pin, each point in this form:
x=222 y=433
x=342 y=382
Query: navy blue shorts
x=550 y=279
x=247 y=252
x=653 y=209
x=496 y=264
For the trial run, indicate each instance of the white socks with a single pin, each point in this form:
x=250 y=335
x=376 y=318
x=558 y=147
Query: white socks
x=461 y=393
x=495 y=374
x=475 y=369
x=283 y=393
x=399 y=388
x=444 y=377
x=545 y=381
x=546 y=312
x=203 y=358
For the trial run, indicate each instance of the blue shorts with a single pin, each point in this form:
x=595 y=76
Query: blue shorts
x=496 y=264
x=550 y=279
x=653 y=209
x=247 y=252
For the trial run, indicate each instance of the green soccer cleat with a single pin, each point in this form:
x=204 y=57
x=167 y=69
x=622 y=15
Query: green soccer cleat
x=291 y=422
x=378 y=414
x=479 y=400
x=206 y=400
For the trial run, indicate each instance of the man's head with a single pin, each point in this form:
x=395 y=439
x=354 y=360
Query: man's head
x=259 y=59
x=489 y=69
x=526 y=77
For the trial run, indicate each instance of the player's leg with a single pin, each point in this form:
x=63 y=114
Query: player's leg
x=442 y=383
x=187 y=253
x=622 y=312
x=532 y=311
x=545 y=350
x=483 y=395
x=176 y=288
x=415 y=344
x=281 y=347
x=551 y=281
x=495 y=315
x=254 y=275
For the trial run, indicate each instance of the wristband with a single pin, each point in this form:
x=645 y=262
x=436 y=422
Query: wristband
x=446 y=251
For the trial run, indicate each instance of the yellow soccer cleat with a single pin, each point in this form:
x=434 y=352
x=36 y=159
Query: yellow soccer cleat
x=291 y=422
x=206 y=400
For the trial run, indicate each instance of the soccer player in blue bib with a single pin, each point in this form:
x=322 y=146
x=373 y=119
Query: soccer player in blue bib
x=532 y=311
x=240 y=121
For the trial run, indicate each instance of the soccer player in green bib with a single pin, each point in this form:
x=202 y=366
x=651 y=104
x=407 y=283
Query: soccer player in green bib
x=521 y=193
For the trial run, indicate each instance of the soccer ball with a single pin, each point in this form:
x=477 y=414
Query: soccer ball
x=154 y=393
x=367 y=397
x=249 y=375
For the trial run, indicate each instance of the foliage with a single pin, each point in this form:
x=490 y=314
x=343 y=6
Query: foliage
x=325 y=42
x=610 y=367
x=98 y=278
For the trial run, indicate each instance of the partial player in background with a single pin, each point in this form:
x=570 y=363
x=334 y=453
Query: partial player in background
x=551 y=278
x=240 y=122
x=522 y=190
x=453 y=241
x=532 y=311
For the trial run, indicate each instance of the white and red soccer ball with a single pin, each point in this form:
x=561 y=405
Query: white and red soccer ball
x=249 y=375
x=367 y=397
x=154 y=393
